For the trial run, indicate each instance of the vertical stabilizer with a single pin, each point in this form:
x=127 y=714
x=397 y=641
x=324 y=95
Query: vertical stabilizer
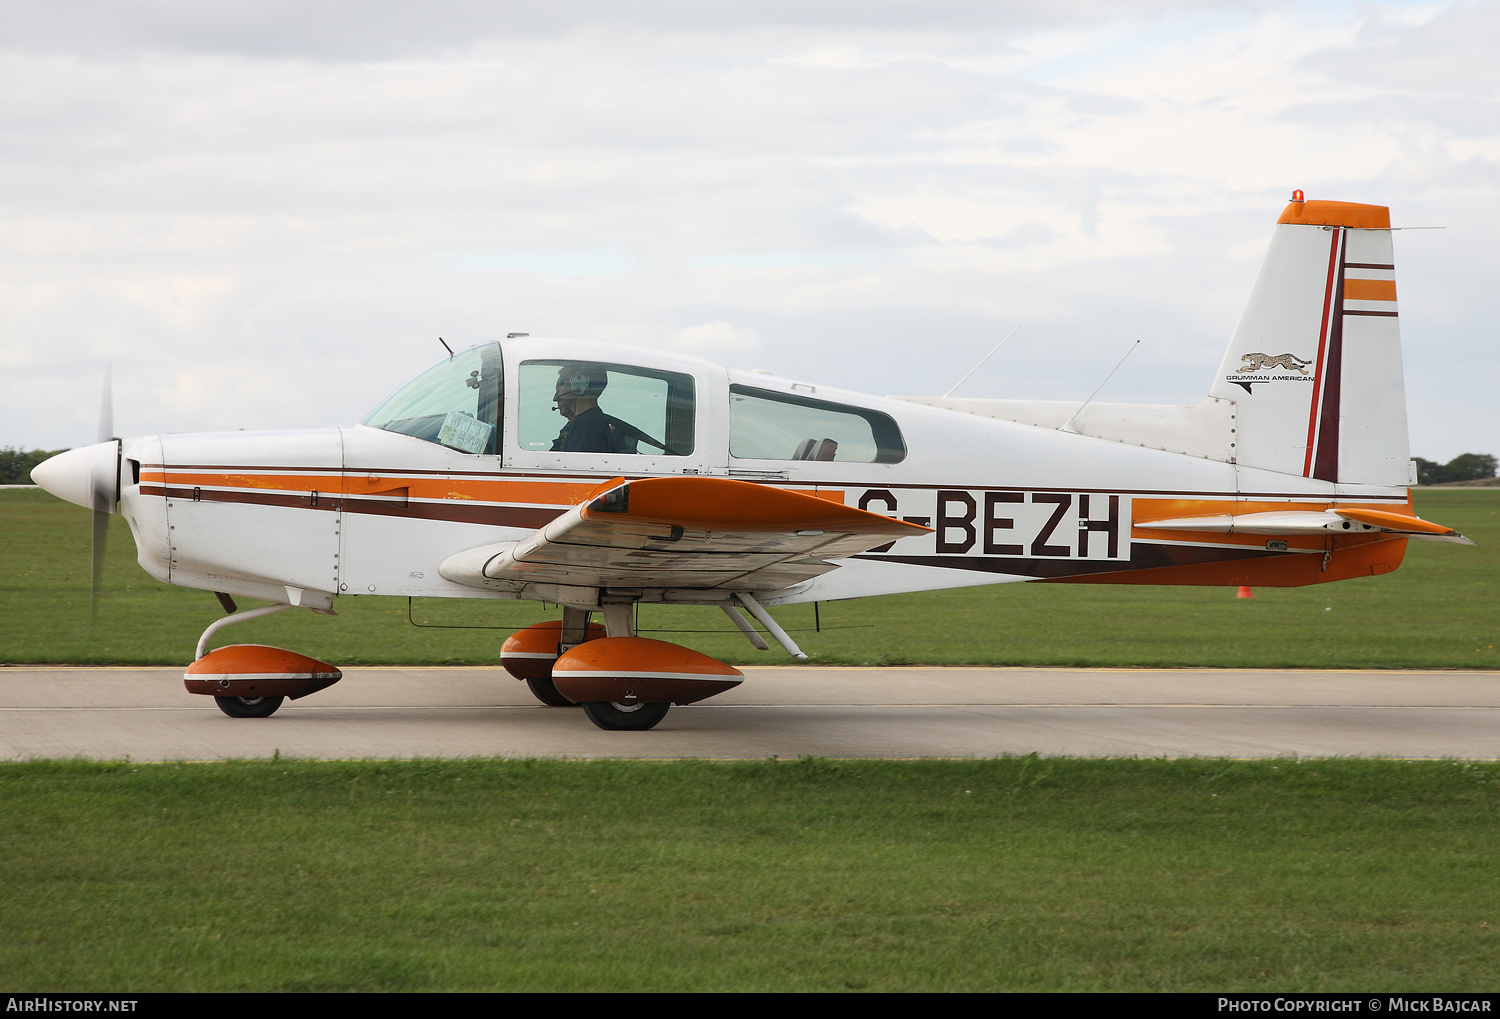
x=1315 y=364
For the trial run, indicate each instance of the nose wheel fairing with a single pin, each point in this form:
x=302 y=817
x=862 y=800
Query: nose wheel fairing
x=251 y=680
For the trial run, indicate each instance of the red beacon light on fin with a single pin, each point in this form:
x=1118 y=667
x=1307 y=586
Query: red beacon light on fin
x=1297 y=195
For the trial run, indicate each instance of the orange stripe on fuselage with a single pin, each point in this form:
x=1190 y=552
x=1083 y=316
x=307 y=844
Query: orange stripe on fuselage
x=374 y=483
x=545 y=493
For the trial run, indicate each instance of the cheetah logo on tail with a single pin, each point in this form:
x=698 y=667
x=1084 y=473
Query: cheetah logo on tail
x=1291 y=362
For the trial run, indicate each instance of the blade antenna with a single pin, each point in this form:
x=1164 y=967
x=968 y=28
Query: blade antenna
x=982 y=360
x=1070 y=425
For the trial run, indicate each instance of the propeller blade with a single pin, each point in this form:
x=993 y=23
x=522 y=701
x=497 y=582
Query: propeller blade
x=96 y=564
x=105 y=477
x=107 y=406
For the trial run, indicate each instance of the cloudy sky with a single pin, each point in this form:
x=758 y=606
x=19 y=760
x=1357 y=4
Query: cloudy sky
x=265 y=214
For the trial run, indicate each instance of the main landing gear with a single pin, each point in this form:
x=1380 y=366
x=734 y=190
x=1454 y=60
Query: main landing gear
x=544 y=690
x=529 y=654
x=636 y=717
x=624 y=682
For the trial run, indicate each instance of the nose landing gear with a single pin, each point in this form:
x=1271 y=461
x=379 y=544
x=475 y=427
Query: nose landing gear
x=253 y=680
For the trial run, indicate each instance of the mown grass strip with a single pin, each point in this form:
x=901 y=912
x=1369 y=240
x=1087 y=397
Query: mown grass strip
x=1010 y=874
x=1439 y=610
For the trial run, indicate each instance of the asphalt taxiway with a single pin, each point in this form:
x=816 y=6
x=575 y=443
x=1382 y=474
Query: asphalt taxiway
x=146 y=715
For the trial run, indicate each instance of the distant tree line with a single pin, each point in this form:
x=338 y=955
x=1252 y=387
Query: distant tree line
x=16 y=464
x=1465 y=467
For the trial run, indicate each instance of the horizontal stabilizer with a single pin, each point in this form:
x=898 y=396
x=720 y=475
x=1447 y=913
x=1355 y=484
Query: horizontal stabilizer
x=1339 y=521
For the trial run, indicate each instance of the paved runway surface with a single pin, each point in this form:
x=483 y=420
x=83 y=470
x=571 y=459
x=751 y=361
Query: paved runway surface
x=146 y=715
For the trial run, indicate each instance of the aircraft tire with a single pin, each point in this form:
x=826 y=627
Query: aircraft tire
x=546 y=691
x=249 y=707
x=625 y=717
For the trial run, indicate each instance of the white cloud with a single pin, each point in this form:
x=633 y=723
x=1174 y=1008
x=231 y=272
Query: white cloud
x=248 y=204
x=714 y=340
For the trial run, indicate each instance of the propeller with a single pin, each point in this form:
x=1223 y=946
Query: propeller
x=89 y=476
x=104 y=472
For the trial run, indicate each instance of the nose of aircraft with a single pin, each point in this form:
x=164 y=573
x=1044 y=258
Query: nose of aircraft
x=86 y=476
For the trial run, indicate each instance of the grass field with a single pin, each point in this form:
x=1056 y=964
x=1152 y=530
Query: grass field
x=1013 y=874
x=1439 y=610
x=1010 y=874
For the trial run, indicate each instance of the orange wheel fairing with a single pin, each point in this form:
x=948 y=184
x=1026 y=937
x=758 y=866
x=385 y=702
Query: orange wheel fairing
x=530 y=652
x=257 y=670
x=635 y=670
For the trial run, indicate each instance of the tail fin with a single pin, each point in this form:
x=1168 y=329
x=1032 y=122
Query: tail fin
x=1314 y=367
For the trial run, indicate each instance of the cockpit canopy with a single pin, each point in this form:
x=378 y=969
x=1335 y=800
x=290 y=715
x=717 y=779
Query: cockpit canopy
x=593 y=406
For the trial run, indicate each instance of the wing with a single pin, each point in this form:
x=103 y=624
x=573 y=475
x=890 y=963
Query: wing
x=688 y=533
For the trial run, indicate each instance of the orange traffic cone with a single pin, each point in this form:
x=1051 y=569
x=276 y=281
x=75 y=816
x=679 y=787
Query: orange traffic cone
x=1245 y=592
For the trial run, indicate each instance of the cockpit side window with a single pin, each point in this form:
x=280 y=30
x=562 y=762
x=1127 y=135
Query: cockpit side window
x=455 y=403
x=779 y=426
x=595 y=407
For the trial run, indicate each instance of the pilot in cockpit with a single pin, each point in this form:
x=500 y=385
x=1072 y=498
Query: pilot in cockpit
x=589 y=429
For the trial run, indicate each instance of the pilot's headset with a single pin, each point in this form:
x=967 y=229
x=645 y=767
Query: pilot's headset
x=580 y=380
x=583 y=380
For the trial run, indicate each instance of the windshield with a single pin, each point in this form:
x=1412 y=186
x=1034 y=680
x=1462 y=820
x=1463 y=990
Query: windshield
x=455 y=403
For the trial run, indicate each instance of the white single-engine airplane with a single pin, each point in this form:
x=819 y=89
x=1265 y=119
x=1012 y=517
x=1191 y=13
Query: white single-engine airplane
x=595 y=477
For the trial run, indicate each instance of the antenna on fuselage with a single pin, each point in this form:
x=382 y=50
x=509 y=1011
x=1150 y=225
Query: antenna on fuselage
x=982 y=360
x=446 y=347
x=1069 y=425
